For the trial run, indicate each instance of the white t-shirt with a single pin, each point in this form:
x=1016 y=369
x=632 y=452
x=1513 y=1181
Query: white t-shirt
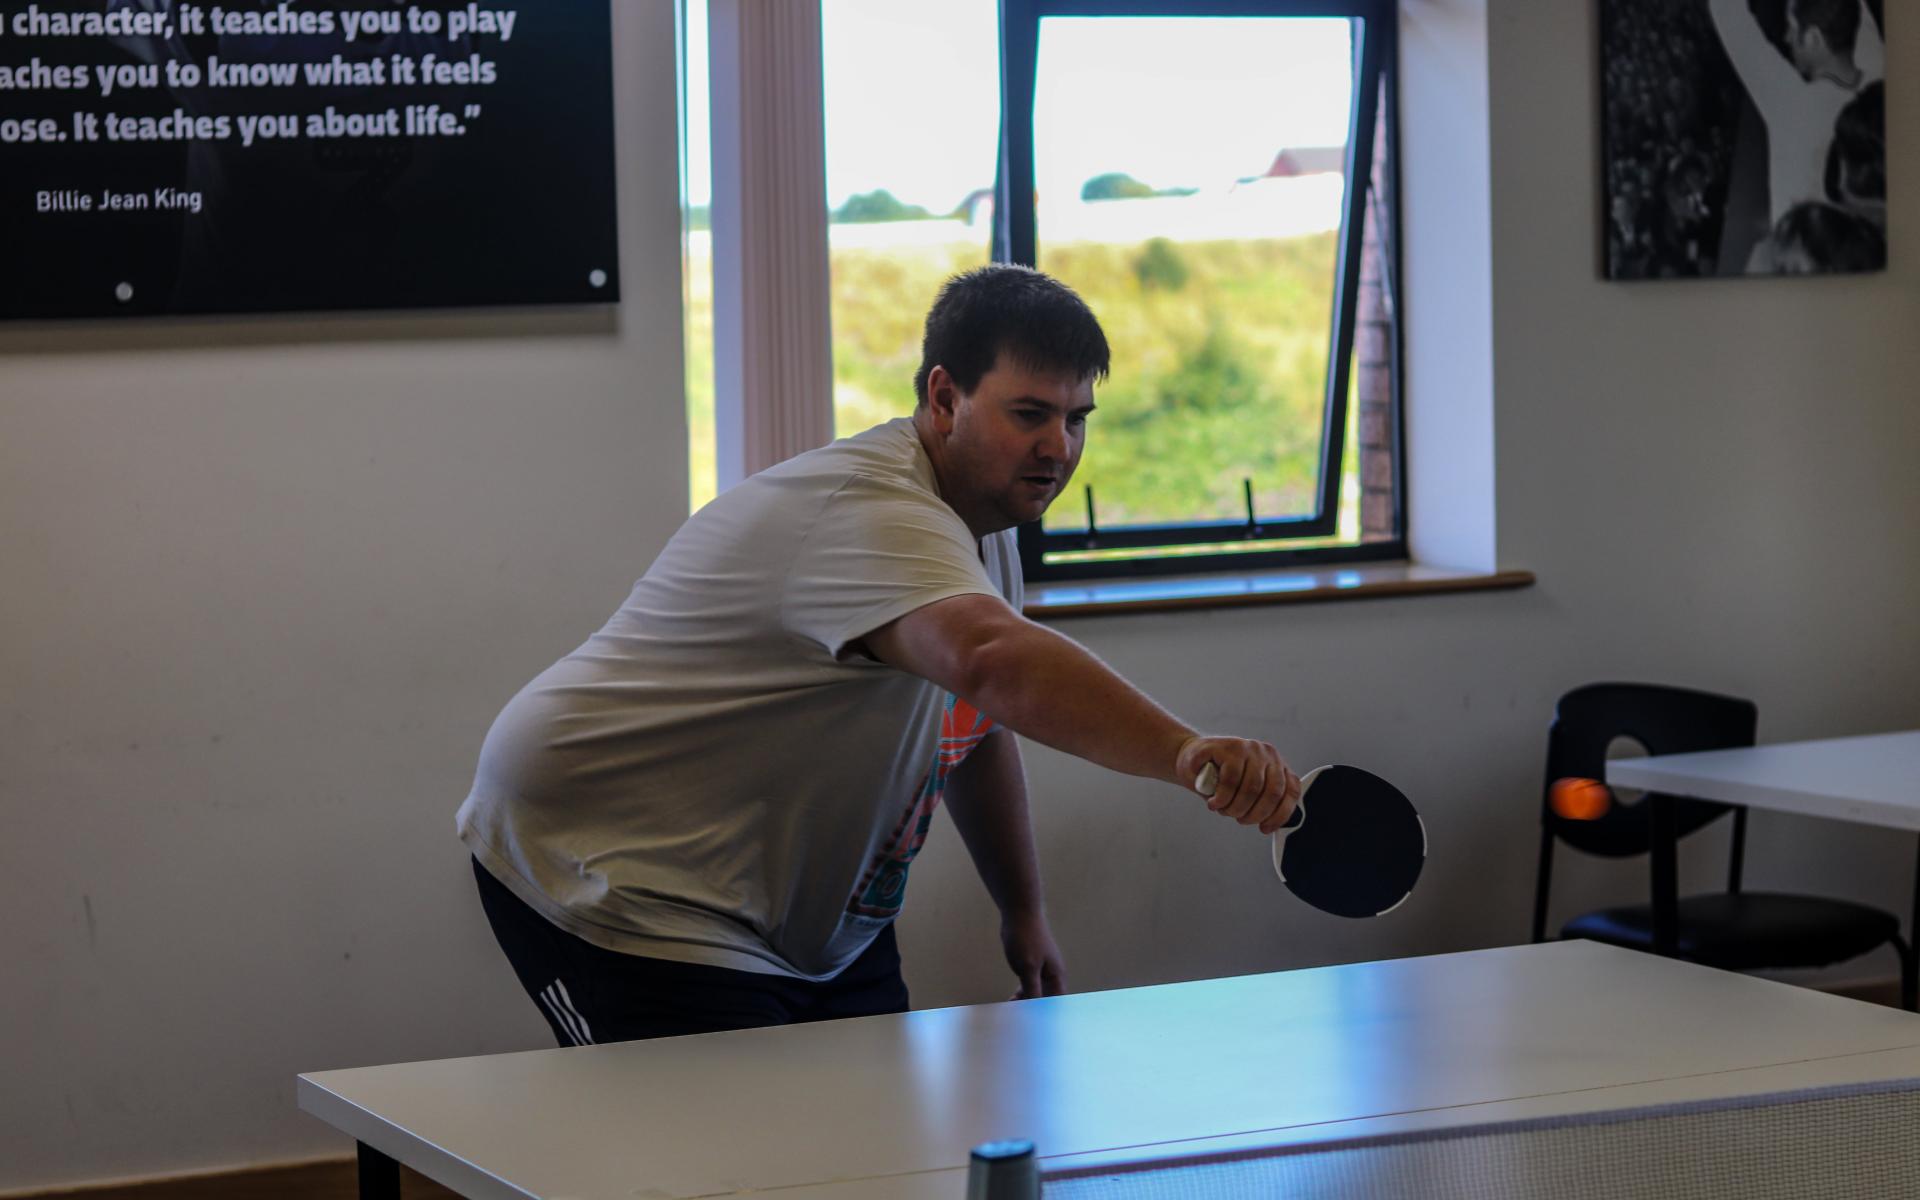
x=719 y=775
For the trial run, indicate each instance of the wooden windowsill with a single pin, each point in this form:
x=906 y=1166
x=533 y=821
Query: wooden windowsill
x=1228 y=590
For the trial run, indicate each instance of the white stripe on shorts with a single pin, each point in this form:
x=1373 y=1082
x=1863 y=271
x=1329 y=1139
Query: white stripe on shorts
x=560 y=1004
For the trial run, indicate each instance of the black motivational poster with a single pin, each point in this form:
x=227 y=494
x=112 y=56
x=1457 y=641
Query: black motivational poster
x=166 y=157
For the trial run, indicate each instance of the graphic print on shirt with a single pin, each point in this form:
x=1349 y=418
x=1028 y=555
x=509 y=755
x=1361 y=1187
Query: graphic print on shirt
x=884 y=886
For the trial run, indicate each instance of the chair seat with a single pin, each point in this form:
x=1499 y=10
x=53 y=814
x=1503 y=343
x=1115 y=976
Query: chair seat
x=1749 y=931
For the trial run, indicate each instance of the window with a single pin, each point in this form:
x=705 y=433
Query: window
x=1187 y=166
x=911 y=167
x=696 y=251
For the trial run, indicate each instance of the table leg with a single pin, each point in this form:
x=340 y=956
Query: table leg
x=1910 y=969
x=1666 y=877
x=379 y=1175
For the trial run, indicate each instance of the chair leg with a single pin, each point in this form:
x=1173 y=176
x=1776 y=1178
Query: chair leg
x=379 y=1175
x=1910 y=954
x=1909 y=971
x=1540 y=882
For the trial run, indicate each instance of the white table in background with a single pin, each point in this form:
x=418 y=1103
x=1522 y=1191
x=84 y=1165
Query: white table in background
x=1870 y=780
x=1874 y=780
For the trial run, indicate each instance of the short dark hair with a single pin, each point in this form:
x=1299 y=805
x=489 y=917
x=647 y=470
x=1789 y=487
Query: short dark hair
x=1032 y=318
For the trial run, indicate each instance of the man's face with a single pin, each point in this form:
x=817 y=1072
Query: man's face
x=1008 y=448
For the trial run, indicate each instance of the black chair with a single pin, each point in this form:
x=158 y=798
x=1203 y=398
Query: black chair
x=1734 y=930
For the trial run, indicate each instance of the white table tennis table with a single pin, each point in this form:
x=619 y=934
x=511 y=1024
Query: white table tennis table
x=889 y=1107
x=1869 y=780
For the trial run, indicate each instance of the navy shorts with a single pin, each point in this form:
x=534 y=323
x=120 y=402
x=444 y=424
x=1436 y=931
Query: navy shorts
x=589 y=994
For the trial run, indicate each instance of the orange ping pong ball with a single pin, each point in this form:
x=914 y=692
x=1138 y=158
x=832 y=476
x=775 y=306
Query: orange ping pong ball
x=1579 y=799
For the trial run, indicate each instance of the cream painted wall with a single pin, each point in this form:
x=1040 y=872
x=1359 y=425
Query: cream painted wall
x=269 y=581
x=266 y=582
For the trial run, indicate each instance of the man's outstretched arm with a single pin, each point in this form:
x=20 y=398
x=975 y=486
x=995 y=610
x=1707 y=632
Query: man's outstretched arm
x=1046 y=686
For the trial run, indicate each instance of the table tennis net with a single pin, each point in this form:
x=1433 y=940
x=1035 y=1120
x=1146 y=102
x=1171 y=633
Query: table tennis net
x=1842 y=1143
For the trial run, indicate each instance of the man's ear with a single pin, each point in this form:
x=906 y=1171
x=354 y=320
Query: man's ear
x=943 y=398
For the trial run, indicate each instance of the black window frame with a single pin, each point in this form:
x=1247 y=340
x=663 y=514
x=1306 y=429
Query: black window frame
x=1015 y=240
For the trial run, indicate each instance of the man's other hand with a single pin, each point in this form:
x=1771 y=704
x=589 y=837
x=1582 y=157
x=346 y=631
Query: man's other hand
x=1034 y=957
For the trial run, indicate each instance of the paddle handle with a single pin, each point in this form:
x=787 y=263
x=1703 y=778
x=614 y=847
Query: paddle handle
x=1208 y=782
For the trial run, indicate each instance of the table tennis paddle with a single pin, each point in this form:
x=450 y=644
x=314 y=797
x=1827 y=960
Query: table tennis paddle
x=1359 y=849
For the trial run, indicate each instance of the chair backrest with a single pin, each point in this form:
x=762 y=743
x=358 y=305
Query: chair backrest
x=1666 y=720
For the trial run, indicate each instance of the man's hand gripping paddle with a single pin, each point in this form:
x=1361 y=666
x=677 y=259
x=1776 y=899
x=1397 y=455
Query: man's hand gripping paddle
x=1357 y=853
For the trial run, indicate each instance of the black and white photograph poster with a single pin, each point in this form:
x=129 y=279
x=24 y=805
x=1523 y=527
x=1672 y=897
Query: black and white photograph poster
x=163 y=157
x=1743 y=137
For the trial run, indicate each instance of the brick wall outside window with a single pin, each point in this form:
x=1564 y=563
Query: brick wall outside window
x=1373 y=371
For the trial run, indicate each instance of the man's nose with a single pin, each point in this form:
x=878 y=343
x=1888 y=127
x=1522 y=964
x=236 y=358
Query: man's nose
x=1051 y=445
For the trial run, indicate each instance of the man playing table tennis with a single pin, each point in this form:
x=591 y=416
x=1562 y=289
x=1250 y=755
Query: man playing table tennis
x=704 y=816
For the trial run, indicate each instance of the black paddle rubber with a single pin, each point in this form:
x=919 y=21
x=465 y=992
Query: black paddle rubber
x=1356 y=845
